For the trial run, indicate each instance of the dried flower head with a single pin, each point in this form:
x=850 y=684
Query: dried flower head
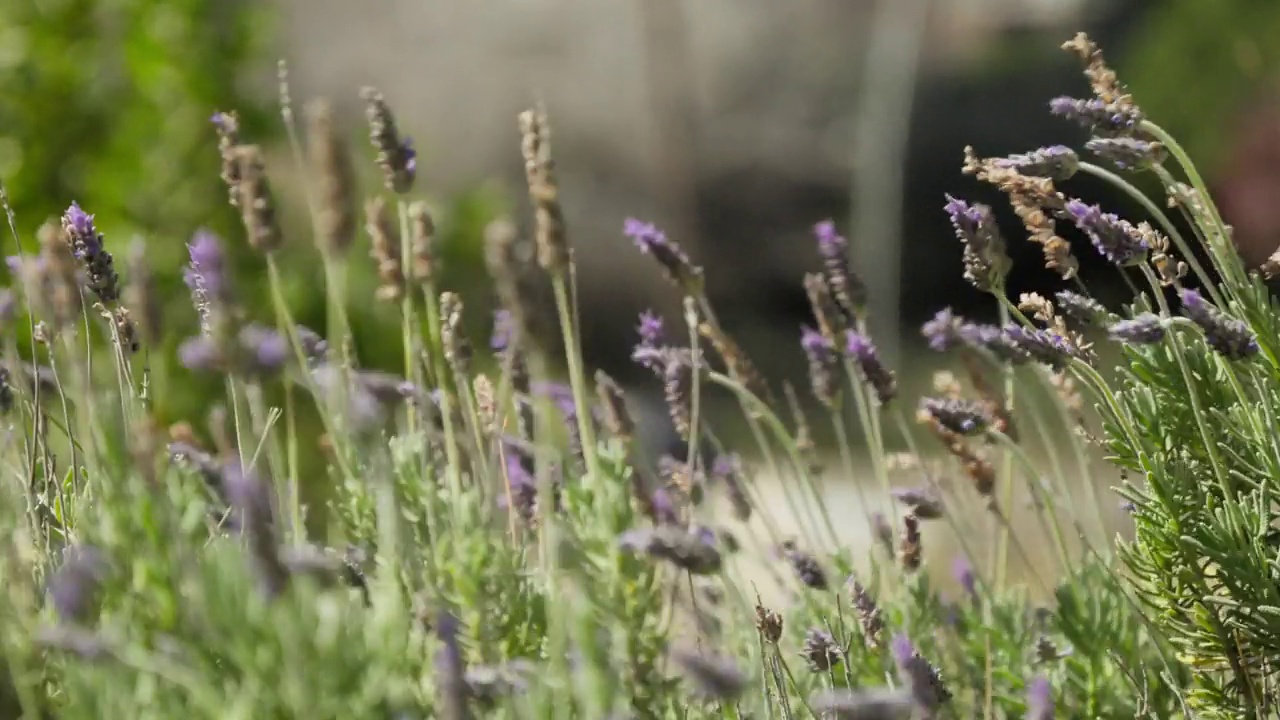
x=335 y=180
x=910 y=553
x=768 y=623
x=87 y=245
x=677 y=388
x=385 y=250
x=613 y=403
x=831 y=318
x=549 y=226
x=870 y=616
x=52 y=279
x=457 y=349
x=1229 y=336
x=821 y=650
x=227 y=125
x=257 y=205
x=423 y=234
x=396 y=156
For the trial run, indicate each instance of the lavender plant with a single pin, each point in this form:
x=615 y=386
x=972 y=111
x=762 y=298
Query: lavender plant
x=497 y=543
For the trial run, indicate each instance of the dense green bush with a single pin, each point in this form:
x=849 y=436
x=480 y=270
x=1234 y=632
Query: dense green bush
x=496 y=545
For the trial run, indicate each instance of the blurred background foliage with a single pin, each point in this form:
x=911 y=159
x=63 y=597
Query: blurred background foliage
x=1197 y=65
x=107 y=103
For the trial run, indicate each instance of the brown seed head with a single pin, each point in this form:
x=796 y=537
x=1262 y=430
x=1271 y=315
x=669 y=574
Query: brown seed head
x=396 y=156
x=335 y=178
x=423 y=232
x=535 y=144
x=614 y=404
x=384 y=249
x=768 y=623
x=257 y=206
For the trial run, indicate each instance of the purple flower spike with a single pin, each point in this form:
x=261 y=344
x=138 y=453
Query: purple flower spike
x=1116 y=239
x=821 y=354
x=503 y=331
x=200 y=354
x=648 y=353
x=87 y=246
x=266 y=350
x=846 y=288
x=1039 y=699
x=985 y=260
x=1145 y=329
x=652 y=241
x=1098 y=115
x=1229 y=336
x=962 y=571
x=922 y=679
x=1041 y=345
x=1127 y=153
x=206 y=277
x=75 y=586
x=1057 y=162
x=864 y=353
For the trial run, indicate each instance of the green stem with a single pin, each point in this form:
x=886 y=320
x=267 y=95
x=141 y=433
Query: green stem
x=577 y=381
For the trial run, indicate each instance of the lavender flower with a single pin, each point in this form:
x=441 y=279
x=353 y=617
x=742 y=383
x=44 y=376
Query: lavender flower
x=924 y=502
x=865 y=354
x=87 y=245
x=1127 y=153
x=503 y=331
x=652 y=241
x=74 y=588
x=450 y=669
x=1103 y=118
x=921 y=678
x=648 y=353
x=1039 y=699
x=1044 y=346
x=1116 y=239
x=250 y=498
x=200 y=354
x=847 y=290
x=1144 y=329
x=715 y=677
x=396 y=156
x=822 y=358
x=1057 y=162
x=873 y=704
x=821 y=650
x=963 y=417
x=265 y=349
x=725 y=470
x=1081 y=308
x=962 y=572
x=870 y=616
x=314 y=347
x=985 y=260
x=944 y=331
x=663 y=508
x=206 y=277
x=686 y=549
x=1229 y=336
x=806 y=567
x=520 y=479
